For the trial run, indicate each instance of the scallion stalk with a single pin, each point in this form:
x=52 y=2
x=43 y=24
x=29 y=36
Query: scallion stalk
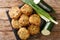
x=47 y=29
x=36 y=1
x=39 y=10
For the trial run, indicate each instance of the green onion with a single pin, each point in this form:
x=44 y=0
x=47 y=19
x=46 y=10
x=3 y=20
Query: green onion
x=39 y=10
x=46 y=30
x=36 y=1
x=47 y=20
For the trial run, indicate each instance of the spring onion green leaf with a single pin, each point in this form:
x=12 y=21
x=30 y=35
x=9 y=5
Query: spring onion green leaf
x=39 y=10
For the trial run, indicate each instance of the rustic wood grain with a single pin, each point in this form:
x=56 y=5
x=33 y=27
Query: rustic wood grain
x=52 y=36
x=7 y=36
x=57 y=16
x=56 y=27
x=5 y=26
x=10 y=3
x=3 y=15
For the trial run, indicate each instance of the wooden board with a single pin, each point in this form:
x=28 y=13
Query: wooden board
x=7 y=36
x=53 y=36
x=6 y=32
x=10 y=3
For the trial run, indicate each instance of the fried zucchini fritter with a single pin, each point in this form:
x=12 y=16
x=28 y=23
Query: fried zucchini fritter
x=24 y=20
x=14 y=12
x=26 y=9
x=15 y=24
x=23 y=33
x=33 y=29
x=35 y=19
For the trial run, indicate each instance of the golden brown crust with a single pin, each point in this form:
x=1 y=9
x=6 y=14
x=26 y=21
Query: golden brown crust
x=15 y=24
x=14 y=12
x=23 y=33
x=24 y=20
x=26 y=9
x=35 y=19
x=33 y=29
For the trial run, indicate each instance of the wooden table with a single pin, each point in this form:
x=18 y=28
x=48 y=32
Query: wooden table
x=6 y=32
